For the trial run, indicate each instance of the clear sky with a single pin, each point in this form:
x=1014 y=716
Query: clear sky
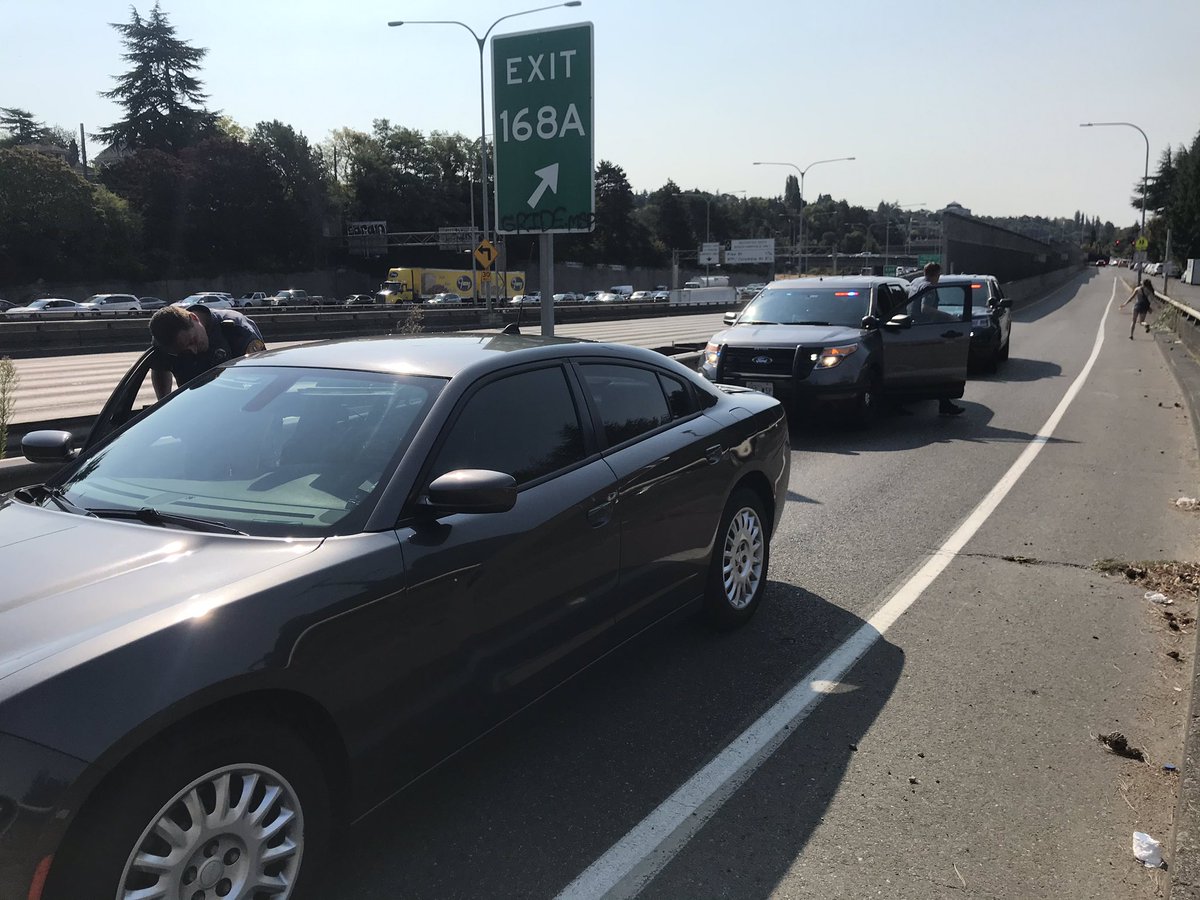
x=977 y=101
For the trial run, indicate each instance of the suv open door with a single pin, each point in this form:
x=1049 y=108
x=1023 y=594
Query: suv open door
x=926 y=339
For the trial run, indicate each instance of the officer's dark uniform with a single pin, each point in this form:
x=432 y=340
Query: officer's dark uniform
x=230 y=335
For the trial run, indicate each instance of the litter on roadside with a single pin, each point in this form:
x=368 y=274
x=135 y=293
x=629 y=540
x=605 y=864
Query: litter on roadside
x=1187 y=503
x=1147 y=850
x=1161 y=599
x=1119 y=744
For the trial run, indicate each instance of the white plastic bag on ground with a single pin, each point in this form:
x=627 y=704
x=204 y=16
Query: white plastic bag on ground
x=1187 y=503
x=1156 y=597
x=1147 y=850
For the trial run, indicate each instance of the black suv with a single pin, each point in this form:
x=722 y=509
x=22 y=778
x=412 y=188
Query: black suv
x=991 y=320
x=847 y=341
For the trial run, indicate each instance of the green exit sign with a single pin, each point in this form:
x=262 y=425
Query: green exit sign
x=542 y=121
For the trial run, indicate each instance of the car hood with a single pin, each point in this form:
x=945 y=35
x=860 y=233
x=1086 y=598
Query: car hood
x=787 y=335
x=67 y=578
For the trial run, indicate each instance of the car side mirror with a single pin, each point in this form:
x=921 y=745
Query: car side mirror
x=471 y=491
x=48 y=447
x=730 y=318
x=1004 y=303
x=895 y=323
x=869 y=322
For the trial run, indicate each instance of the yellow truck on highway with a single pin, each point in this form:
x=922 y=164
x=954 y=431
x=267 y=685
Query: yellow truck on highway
x=415 y=285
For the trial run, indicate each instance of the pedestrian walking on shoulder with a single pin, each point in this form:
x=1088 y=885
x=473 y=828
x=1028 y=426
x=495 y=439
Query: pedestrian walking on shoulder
x=1140 y=298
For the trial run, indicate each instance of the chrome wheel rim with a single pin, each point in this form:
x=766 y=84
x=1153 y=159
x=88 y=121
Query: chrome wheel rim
x=742 y=558
x=236 y=832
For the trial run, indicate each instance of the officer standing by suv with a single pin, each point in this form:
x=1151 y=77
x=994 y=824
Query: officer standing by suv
x=933 y=273
x=189 y=342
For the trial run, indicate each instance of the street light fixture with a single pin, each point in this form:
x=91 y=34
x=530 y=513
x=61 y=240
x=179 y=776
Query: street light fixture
x=802 y=173
x=482 y=42
x=1145 y=171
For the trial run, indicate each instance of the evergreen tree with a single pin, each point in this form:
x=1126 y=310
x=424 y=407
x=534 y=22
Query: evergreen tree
x=21 y=126
x=160 y=93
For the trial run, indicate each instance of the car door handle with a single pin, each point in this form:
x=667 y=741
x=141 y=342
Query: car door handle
x=714 y=454
x=600 y=515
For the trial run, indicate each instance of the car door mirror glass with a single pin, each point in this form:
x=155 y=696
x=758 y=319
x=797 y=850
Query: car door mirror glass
x=472 y=491
x=1004 y=303
x=901 y=320
x=730 y=318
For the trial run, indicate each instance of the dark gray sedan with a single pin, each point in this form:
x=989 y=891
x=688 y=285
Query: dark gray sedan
x=249 y=614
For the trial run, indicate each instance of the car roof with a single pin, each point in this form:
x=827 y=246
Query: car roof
x=837 y=281
x=440 y=355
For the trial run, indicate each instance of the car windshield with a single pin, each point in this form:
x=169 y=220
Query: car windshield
x=262 y=449
x=809 y=305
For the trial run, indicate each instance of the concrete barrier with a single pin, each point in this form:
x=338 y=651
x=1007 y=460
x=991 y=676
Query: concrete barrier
x=90 y=335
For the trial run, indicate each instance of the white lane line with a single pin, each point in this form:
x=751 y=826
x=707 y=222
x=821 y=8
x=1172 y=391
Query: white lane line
x=631 y=863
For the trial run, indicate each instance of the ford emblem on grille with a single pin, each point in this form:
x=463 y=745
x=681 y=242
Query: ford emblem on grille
x=761 y=360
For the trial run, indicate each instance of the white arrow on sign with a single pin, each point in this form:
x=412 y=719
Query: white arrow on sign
x=549 y=176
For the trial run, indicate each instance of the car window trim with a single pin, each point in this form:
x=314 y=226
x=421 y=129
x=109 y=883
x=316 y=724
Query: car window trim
x=598 y=422
x=590 y=442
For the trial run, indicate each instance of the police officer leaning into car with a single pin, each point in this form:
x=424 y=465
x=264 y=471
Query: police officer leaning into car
x=189 y=342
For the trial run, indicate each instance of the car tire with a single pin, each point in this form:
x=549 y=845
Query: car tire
x=277 y=822
x=864 y=409
x=737 y=576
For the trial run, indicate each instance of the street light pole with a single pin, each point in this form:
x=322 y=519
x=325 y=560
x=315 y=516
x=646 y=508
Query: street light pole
x=481 y=42
x=800 y=239
x=887 y=231
x=1145 y=172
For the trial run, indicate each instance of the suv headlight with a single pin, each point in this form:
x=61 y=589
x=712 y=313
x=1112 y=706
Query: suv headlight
x=831 y=356
x=712 y=354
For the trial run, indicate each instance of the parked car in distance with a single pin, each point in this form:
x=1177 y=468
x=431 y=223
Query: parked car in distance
x=252 y=298
x=112 y=303
x=609 y=297
x=846 y=342
x=750 y=291
x=213 y=301
x=446 y=298
x=290 y=297
x=50 y=307
x=526 y=300
x=568 y=297
x=591 y=297
x=150 y=304
x=641 y=297
x=6 y=305
x=661 y=296
x=361 y=300
x=991 y=320
x=221 y=621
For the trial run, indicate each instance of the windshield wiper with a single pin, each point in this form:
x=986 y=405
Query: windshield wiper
x=57 y=494
x=809 y=323
x=152 y=516
x=752 y=322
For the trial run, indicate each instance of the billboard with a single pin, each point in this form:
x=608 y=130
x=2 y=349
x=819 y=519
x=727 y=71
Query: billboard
x=367 y=238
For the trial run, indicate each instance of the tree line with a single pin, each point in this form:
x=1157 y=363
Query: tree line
x=182 y=190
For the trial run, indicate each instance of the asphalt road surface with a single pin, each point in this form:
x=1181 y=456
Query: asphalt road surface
x=912 y=713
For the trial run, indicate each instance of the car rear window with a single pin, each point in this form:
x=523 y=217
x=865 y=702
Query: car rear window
x=816 y=305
